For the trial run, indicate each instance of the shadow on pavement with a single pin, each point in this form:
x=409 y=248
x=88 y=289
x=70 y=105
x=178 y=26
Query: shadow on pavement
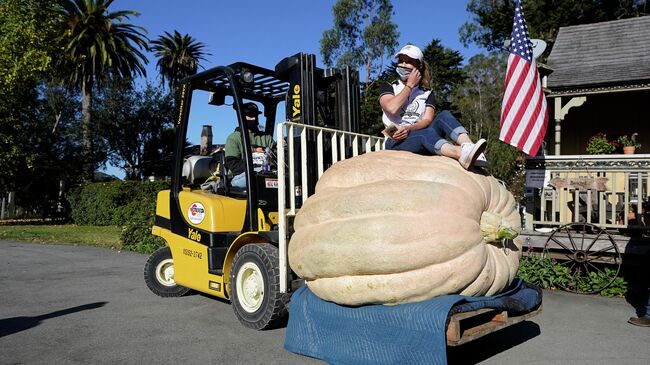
x=208 y=296
x=9 y=326
x=485 y=347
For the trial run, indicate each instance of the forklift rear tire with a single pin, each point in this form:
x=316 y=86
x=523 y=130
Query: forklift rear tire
x=159 y=274
x=255 y=287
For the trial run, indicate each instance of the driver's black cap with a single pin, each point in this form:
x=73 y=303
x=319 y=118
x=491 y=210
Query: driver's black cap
x=251 y=108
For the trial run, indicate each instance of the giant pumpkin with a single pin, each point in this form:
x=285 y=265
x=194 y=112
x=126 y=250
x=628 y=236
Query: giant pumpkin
x=394 y=227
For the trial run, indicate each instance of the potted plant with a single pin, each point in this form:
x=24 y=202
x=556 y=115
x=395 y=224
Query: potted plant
x=599 y=145
x=629 y=144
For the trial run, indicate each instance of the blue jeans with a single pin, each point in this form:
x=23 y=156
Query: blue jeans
x=239 y=181
x=429 y=141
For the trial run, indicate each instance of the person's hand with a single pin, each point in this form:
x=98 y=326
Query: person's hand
x=414 y=78
x=402 y=133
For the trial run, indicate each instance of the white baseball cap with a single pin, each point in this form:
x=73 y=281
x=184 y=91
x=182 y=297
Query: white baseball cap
x=411 y=51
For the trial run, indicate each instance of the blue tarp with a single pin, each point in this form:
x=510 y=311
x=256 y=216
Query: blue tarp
x=411 y=333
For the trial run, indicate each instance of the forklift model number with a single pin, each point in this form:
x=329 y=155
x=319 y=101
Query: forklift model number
x=193 y=235
x=296 y=101
x=192 y=253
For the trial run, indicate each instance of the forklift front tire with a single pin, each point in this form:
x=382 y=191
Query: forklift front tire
x=159 y=274
x=255 y=287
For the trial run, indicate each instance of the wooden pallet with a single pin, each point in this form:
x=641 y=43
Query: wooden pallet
x=468 y=326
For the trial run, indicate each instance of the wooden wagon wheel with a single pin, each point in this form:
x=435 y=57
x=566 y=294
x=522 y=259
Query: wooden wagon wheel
x=584 y=250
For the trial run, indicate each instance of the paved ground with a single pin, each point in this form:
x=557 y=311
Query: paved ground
x=80 y=305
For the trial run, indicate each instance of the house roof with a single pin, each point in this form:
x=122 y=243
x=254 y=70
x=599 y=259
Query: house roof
x=614 y=53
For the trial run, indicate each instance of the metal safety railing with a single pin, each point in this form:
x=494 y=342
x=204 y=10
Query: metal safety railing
x=304 y=153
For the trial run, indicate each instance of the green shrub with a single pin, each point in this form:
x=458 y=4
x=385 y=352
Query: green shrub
x=136 y=235
x=130 y=204
x=94 y=204
x=597 y=281
x=548 y=274
x=112 y=203
x=542 y=271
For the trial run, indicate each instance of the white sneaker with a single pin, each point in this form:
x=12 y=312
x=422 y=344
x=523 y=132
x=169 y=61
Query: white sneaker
x=469 y=152
x=481 y=161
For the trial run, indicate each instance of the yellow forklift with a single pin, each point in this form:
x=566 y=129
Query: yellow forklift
x=232 y=243
x=225 y=241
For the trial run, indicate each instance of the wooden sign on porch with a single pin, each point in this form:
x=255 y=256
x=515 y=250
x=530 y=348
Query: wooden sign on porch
x=580 y=183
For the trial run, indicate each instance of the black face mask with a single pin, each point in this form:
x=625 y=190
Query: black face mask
x=252 y=124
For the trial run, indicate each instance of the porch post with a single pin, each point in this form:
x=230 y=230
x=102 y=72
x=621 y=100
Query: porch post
x=560 y=113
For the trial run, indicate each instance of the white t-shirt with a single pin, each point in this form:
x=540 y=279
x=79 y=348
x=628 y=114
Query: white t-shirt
x=414 y=107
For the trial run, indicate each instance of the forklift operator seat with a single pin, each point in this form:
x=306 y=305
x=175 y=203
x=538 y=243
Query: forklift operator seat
x=198 y=169
x=226 y=177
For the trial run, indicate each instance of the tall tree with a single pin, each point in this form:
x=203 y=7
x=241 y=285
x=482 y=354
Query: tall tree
x=54 y=137
x=363 y=35
x=98 y=45
x=136 y=125
x=26 y=53
x=491 y=23
x=444 y=69
x=178 y=57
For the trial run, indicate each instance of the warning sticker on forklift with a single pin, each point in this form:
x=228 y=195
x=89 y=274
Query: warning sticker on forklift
x=271 y=183
x=196 y=213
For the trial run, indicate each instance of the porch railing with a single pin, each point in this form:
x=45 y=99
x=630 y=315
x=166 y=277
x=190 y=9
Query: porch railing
x=611 y=191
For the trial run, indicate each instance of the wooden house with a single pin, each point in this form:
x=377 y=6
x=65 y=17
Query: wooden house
x=596 y=80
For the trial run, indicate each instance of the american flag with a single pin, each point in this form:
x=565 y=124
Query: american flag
x=524 y=114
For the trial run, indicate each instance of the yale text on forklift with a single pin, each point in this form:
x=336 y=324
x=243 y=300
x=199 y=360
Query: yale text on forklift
x=193 y=235
x=296 y=100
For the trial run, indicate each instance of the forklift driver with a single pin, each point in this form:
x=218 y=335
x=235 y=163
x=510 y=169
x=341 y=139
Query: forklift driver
x=234 y=147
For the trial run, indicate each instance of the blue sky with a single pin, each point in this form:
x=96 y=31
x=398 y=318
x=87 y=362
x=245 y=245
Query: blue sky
x=263 y=32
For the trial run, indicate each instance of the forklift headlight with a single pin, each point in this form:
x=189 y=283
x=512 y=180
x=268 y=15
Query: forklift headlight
x=247 y=76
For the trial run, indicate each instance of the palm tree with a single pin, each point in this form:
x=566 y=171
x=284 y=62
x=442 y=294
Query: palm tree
x=97 y=45
x=178 y=57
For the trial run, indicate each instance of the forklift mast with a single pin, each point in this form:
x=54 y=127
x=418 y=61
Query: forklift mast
x=318 y=97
